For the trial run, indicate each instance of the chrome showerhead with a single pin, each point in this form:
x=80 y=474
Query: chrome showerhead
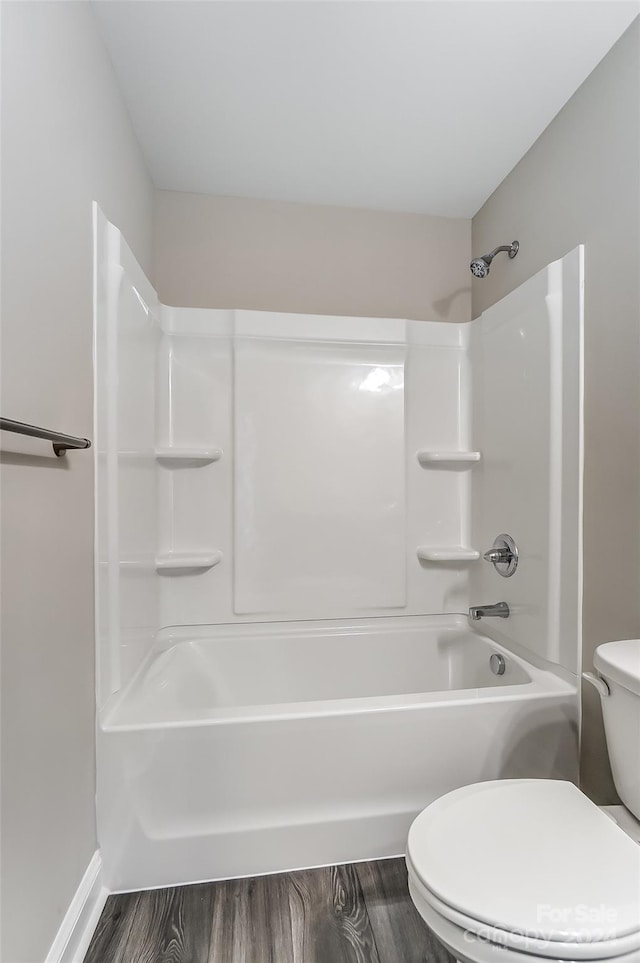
x=480 y=266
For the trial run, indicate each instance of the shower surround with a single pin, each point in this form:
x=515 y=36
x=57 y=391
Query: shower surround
x=291 y=513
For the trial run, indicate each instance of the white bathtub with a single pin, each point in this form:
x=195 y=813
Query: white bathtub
x=246 y=749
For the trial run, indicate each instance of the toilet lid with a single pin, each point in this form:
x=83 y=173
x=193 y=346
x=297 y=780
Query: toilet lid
x=531 y=857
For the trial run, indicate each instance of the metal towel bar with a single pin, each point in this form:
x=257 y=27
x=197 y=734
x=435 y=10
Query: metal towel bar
x=60 y=441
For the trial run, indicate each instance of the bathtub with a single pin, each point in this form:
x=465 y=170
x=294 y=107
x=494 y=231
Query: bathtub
x=245 y=749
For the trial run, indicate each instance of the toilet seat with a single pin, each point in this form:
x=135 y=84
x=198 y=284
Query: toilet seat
x=532 y=865
x=613 y=949
x=467 y=947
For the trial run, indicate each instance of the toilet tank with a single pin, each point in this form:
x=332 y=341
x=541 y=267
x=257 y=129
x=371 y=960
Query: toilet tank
x=619 y=664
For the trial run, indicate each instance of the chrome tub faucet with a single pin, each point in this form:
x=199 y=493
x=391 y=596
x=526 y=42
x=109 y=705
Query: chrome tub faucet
x=500 y=610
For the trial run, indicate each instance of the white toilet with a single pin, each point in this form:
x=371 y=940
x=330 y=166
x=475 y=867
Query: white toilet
x=526 y=870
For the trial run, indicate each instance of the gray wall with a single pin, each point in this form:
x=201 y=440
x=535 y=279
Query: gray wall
x=580 y=183
x=267 y=255
x=66 y=139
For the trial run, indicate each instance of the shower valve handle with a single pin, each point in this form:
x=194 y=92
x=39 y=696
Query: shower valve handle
x=498 y=555
x=503 y=554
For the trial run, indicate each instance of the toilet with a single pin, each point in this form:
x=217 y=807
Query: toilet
x=526 y=870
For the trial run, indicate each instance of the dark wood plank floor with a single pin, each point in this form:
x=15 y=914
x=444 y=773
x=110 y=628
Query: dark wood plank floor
x=358 y=913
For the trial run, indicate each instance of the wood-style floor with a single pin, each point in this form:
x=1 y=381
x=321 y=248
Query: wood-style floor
x=358 y=913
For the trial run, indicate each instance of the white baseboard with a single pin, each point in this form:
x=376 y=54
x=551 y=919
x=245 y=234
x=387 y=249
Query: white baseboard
x=80 y=920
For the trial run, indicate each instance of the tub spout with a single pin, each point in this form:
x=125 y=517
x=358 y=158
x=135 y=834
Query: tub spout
x=500 y=610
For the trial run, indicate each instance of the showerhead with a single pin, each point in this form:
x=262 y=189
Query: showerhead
x=480 y=266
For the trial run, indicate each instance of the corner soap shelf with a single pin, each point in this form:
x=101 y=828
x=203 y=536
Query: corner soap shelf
x=187 y=457
x=174 y=563
x=450 y=553
x=447 y=457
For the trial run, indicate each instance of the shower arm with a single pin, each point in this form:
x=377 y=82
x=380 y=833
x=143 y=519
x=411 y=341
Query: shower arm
x=504 y=247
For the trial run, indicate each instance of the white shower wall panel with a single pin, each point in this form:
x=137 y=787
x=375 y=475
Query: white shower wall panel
x=127 y=335
x=195 y=367
x=319 y=509
x=194 y=373
x=199 y=373
x=138 y=336
x=526 y=353
x=194 y=379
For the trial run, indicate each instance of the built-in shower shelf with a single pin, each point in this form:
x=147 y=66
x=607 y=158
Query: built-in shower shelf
x=449 y=553
x=174 y=563
x=187 y=457
x=448 y=457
